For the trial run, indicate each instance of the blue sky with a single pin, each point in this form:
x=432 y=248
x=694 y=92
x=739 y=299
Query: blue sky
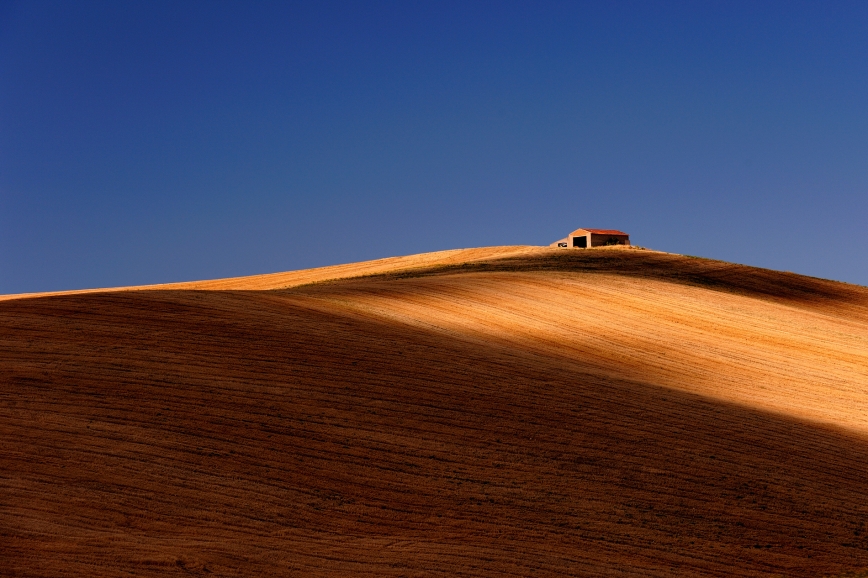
x=147 y=142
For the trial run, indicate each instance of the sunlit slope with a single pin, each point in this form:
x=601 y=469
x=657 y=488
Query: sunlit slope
x=526 y=412
x=777 y=349
x=287 y=279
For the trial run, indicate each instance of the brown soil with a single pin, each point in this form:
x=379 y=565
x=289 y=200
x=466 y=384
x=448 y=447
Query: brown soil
x=506 y=412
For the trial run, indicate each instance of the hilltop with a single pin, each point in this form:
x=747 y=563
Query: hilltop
x=507 y=411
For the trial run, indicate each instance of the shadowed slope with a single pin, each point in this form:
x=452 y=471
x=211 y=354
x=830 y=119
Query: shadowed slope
x=766 y=284
x=535 y=420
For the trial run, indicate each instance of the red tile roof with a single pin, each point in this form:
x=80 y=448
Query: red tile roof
x=604 y=232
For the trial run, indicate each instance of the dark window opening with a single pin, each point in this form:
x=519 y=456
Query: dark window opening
x=562 y=244
x=580 y=242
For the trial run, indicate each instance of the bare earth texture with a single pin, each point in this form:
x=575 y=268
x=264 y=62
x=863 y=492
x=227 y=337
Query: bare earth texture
x=509 y=411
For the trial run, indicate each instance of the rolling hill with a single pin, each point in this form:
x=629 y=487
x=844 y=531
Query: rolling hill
x=504 y=411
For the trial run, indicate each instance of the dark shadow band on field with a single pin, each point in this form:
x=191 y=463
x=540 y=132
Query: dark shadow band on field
x=755 y=282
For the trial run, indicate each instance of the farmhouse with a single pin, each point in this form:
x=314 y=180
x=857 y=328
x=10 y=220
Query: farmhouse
x=584 y=238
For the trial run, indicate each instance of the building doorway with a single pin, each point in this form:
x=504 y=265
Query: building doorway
x=580 y=242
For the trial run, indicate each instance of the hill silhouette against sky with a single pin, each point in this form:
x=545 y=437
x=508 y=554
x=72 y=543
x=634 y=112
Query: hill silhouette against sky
x=148 y=142
x=504 y=411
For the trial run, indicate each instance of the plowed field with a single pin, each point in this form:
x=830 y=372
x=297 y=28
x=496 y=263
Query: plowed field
x=512 y=411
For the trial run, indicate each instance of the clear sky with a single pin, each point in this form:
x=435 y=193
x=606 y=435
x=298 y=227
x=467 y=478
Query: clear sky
x=147 y=142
